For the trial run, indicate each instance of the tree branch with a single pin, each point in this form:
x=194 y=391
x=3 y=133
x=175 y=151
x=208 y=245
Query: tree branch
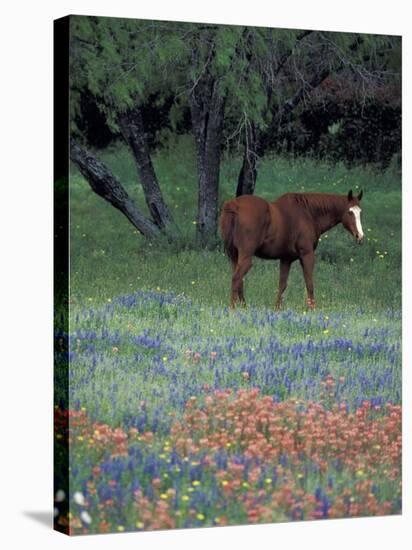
x=290 y=104
x=106 y=185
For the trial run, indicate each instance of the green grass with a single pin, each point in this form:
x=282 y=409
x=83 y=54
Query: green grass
x=109 y=258
x=150 y=330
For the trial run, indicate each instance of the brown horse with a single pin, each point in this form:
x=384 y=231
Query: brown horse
x=287 y=229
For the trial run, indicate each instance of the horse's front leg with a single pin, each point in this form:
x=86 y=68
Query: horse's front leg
x=307 y=261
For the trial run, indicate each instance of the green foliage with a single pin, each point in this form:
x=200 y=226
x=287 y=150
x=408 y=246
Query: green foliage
x=225 y=43
x=334 y=128
x=123 y=62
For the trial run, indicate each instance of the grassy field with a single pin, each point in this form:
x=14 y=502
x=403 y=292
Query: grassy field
x=184 y=413
x=109 y=258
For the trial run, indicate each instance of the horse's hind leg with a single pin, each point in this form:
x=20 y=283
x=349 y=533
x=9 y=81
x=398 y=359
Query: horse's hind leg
x=308 y=262
x=283 y=281
x=243 y=265
x=234 y=293
x=240 y=294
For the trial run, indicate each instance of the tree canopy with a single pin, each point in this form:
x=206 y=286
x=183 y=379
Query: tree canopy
x=241 y=85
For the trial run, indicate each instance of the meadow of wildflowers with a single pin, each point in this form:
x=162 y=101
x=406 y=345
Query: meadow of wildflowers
x=182 y=415
x=178 y=412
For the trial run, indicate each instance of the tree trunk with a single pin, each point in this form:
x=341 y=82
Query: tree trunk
x=254 y=147
x=131 y=125
x=255 y=144
x=207 y=111
x=248 y=173
x=104 y=183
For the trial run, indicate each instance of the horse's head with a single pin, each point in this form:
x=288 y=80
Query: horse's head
x=351 y=218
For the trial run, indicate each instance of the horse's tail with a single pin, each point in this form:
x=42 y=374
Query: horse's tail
x=227 y=226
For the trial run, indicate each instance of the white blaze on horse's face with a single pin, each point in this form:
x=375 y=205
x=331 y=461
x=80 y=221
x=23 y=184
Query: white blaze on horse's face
x=356 y=210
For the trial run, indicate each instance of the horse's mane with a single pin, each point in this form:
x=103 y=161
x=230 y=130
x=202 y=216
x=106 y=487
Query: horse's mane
x=318 y=203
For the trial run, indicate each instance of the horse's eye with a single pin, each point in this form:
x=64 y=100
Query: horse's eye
x=350 y=212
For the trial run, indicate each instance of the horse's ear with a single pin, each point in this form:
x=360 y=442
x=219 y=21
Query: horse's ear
x=350 y=195
x=360 y=195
